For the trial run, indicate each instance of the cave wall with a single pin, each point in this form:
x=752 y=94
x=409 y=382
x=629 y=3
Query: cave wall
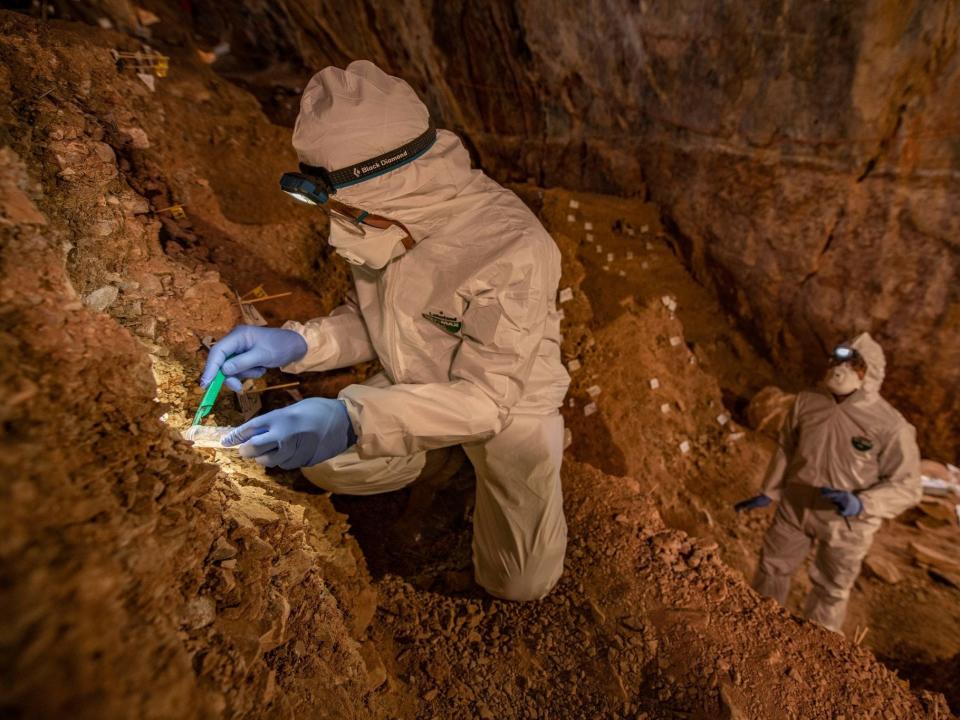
x=136 y=578
x=805 y=155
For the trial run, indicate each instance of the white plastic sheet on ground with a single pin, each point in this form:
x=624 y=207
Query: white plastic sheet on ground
x=207 y=435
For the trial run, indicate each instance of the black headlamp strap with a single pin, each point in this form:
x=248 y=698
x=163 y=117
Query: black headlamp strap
x=390 y=160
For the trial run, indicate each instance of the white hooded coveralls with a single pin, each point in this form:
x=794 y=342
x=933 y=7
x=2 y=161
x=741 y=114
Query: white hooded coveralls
x=464 y=324
x=861 y=444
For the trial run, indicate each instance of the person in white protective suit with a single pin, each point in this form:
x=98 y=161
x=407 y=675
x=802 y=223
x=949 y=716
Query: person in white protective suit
x=846 y=460
x=455 y=282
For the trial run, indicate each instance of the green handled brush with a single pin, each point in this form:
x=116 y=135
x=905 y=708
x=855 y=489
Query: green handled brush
x=209 y=398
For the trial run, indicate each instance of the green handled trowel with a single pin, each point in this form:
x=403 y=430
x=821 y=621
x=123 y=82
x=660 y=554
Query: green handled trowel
x=209 y=398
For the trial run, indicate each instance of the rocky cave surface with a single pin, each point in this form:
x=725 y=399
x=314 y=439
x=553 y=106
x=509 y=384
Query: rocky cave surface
x=145 y=578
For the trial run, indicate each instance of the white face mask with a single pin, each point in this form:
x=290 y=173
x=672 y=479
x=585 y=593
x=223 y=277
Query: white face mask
x=843 y=380
x=365 y=245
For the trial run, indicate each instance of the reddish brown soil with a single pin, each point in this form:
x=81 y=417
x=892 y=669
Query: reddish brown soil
x=143 y=580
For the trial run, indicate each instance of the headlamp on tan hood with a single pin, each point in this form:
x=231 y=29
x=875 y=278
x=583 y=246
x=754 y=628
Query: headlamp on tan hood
x=315 y=184
x=357 y=124
x=846 y=370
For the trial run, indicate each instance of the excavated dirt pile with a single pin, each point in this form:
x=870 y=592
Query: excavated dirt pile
x=146 y=578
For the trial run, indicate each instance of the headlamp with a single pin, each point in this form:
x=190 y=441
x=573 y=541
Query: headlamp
x=844 y=354
x=315 y=185
x=304 y=188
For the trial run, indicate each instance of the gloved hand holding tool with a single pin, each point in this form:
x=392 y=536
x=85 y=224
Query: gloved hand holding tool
x=209 y=398
x=760 y=501
x=299 y=435
x=847 y=503
x=248 y=351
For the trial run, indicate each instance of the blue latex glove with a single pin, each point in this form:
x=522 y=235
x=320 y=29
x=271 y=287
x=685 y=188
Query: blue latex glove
x=251 y=350
x=847 y=503
x=302 y=434
x=760 y=501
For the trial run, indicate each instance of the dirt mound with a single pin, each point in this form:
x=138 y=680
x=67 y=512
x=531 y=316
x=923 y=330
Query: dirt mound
x=645 y=623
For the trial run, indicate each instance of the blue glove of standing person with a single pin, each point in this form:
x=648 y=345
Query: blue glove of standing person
x=847 y=503
x=759 y=501
x=247 y=351
x=299 y=435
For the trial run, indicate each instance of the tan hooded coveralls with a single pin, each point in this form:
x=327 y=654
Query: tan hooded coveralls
x=465 y=325
x=861 y=444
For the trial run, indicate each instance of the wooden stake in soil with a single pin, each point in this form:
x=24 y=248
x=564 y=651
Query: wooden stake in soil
x=272 y=387
x=265 y=297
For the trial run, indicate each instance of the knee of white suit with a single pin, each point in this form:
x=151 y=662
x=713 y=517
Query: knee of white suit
x=522 y=587
x=349 y=474
x=538 y=575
